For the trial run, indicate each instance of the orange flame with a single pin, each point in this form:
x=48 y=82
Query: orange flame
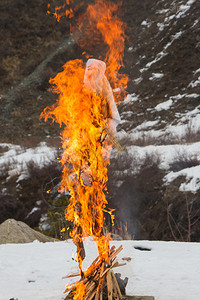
x=60 y=11
x=80 y=111
x=102 y=18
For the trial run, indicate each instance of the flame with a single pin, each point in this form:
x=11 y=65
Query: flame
x=79 y=112
x=100 y=23
x=102 y=18
x=61 y=12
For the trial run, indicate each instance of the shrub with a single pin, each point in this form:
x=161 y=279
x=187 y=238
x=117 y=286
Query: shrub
x=55 y=224
x=183 y=160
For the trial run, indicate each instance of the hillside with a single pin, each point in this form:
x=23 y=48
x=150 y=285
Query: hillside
x=154 y=184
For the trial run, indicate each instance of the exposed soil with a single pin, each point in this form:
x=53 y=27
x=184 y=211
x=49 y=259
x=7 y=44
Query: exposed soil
x=15 y=232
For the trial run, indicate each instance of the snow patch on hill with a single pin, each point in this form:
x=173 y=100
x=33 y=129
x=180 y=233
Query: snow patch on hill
x=15 y=158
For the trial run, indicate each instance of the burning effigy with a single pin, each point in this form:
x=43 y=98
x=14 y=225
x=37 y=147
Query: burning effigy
x=87 y=109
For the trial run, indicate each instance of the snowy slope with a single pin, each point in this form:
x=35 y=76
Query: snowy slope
x=169 y=271
x=16 y=158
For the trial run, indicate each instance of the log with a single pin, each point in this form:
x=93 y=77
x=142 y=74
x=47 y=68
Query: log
x=109 y=285
x=101 y=295
x=108 y=268
x=116 y=252
x=116 y=284
x=115 y=293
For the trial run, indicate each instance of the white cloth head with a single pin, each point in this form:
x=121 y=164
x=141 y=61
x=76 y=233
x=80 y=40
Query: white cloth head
x=95 y=80
x=94 y=74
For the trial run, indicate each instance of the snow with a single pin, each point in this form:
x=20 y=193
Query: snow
x=170 y=270
x=186 y=123
x=184 y=8
x=167 y=153
x=16 y=158
x=159 y=56
x=192 y=175
x=181 y=12
x=164 y=105
x=146 y=124
x=163 y=53
x=194 y=83
x=197 y=71
x=138 y=80
x=130 y=49
x=180 y=96
x=33 y=211
x=156 y=76
x=131 y=98
x=162 y=11
x=160 y=26
x=172 y=132
x=146 y=23
x=167 y=19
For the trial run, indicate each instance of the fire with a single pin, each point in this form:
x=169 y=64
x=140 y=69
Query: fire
x=81 y=113
x=79 y=110
x=102 y=17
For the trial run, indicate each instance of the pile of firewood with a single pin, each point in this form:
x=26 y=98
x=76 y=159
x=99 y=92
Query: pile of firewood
x=99 y=280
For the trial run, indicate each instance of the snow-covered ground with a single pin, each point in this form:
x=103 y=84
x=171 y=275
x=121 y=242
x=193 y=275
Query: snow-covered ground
x=16 y=158
x=169 y=271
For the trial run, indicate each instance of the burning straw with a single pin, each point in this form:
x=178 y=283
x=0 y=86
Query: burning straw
x=86 y=108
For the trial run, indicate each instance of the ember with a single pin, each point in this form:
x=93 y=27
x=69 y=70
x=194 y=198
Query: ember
x=87 y=109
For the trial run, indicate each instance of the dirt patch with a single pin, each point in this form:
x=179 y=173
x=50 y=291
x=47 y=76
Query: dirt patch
x=12 y=231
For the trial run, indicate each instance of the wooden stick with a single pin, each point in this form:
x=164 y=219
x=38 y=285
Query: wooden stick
x=74 y=284
x=109 y=285
x=97 y=274
x=97 y=293
x=116 y=284
x=92 y=295
x=116 y=252
x=90 y=290
x=70 y=287
x=72 y=275
x=108 y=268
x=119 y=265
x=112 y=249
x=115 y=293
x=113 y=139
x=101 y=295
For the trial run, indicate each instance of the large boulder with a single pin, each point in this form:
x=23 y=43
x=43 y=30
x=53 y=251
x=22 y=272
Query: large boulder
x=12 y=231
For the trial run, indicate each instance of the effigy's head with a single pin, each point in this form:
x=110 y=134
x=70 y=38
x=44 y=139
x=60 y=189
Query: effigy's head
x=94 y=74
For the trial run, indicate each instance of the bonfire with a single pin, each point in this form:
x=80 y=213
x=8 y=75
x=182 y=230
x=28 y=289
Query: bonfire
x=87 y=109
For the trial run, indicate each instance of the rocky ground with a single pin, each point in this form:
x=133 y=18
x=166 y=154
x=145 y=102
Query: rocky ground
x=162 y=61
